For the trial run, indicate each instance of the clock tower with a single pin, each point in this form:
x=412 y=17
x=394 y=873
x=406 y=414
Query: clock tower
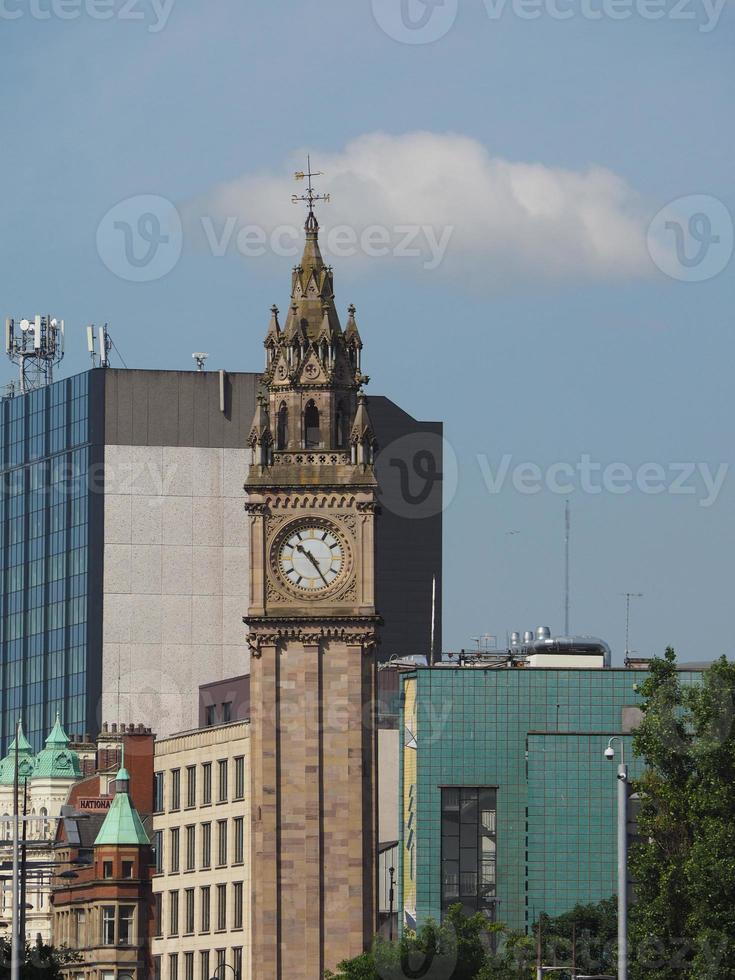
x=311 y=500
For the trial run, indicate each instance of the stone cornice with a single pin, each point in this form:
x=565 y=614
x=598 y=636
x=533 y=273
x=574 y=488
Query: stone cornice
x=311 y=630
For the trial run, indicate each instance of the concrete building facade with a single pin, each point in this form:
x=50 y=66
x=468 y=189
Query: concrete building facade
x=201 y=841
x=124 y=546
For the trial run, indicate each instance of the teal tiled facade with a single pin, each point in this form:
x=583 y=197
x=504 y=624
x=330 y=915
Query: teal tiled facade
x=538 y=735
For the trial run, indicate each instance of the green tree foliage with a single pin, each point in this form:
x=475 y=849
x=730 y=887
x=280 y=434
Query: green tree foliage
x=40 y=961
x=593 y=929
x=683 y=921
x=458 y=949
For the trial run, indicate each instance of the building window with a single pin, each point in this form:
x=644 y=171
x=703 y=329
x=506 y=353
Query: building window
x=189 y=911
x=206 y=845
x=107 y=869
x=239 y=840
x=204 y=897
x=158 y=914
x=174 y=844
x=173 y=966
x=226 y=712
x=207 y=782
x=222 y=786
x=126 y=935
x=221 y=961
x=468 y=849
x=210 y=716
x=173 y=913
x=191 y=849
x=221 y=843
x=204 y=965
x=282 y=427
x=158 y=792
x=127 y=869
x=312 y=432
x=237 y=905
x=156 y=968
x=158 y=851
x=188 y=966
x=221 y=907
x=240 y=778
x=81 y=927
x=237 y=961
x=175 y=789
x=191 y=786
x=108 y=925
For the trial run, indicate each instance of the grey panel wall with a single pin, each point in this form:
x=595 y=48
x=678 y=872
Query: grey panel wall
x=178 y=408
x=409 y=468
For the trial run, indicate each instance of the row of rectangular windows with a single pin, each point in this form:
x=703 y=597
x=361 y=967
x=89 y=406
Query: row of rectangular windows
x=190 y=787
x=174 y=918
x=173 y=846
x=204 y=965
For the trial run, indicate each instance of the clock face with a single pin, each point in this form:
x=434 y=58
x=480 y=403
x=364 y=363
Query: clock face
x=311 y=557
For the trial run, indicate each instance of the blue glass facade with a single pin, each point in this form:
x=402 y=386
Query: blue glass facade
x=50 y=605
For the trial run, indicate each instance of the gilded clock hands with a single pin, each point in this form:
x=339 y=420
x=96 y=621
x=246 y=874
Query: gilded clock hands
x=312 y=559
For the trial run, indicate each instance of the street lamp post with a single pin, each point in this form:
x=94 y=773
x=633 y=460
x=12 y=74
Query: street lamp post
x=391 y=896
x=227 y=966
x=622 y=855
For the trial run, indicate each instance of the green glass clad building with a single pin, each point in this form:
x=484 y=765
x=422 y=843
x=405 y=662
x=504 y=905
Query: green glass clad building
x=507 y=803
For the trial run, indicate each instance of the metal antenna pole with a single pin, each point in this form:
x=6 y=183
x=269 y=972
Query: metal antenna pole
x=628 y=597
x=433 y=620
x=567 y=524
x=15 y=935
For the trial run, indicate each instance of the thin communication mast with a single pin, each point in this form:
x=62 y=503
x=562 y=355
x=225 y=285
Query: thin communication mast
x=100 y=358
x=36 y=346
x=628 y=597
x=567 y=528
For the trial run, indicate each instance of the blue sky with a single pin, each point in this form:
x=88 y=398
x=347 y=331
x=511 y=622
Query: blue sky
x=546 y=333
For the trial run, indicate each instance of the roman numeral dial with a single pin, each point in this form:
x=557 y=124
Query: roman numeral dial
x=311 y=558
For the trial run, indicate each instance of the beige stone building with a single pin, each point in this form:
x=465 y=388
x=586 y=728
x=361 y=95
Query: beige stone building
x=201 y=838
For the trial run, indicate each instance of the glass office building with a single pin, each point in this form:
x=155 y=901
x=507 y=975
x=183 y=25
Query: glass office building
x=508 y=805
x=50 y=526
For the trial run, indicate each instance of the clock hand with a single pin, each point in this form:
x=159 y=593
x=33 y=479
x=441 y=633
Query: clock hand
x=312 y=559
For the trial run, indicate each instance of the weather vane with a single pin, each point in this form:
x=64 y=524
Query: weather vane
x=310 y=196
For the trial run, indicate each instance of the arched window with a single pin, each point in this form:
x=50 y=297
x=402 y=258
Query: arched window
x=312 y=432
x=342 y=426
x=282 y=427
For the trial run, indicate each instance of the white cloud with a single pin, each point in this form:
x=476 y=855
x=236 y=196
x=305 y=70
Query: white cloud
x=475 y=217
